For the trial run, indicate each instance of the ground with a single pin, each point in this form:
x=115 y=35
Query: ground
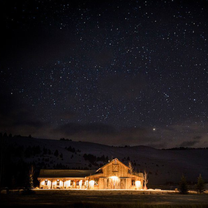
x=108 y=198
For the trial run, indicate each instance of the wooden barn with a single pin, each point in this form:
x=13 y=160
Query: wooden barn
x=113 y=175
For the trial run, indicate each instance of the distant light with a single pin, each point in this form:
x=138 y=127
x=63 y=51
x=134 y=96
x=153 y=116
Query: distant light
x=154 y=129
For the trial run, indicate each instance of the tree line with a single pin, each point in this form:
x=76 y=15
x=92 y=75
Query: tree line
x=183 y=186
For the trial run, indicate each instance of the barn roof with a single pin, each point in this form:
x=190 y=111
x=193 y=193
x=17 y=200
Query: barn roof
x=115 y=159
x=56 y=173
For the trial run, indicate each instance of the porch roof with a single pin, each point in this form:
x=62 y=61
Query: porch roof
x=58 y=173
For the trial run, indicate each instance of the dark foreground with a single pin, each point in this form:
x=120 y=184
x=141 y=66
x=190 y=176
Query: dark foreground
x=101 y=199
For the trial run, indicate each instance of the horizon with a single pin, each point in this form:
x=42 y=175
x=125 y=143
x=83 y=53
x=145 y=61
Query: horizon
x=118 y=146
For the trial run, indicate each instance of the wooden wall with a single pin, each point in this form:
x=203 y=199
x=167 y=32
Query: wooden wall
x=118 y=170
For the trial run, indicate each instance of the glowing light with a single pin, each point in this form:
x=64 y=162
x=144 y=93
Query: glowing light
x=80 y=184
x=42 y=183
x=91 y=183
x=46 y=183
x=114 y=177
x=74 y=184
x=53 y=184
x=137 y=184
x=154 y=129
x=67 y=183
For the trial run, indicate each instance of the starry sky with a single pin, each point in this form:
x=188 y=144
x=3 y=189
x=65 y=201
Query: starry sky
x=110 y=72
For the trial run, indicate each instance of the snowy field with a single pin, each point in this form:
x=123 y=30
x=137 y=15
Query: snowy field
x=101 y=198
x=163 y=166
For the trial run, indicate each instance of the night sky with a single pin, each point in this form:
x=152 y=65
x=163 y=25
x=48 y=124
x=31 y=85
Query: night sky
x=110 y=72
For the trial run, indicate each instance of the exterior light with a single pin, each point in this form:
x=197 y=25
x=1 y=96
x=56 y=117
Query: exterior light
x=115 y=178
x=137 y=184
x=67 y=183
x=91 y=183
x=80 y=184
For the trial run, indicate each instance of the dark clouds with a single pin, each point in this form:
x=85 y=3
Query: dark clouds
x=192 y=143
x=188 y=143
x=105 y=134
x=17 y=118
x=20 y=119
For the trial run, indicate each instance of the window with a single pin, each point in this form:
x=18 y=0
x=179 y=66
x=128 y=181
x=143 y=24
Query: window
x=46 y=182
x=133 y=182
x=115 y=168
x=58 y=183
x=96 y=181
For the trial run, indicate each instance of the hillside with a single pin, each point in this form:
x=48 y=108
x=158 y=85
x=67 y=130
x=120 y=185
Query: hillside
x=163 y=166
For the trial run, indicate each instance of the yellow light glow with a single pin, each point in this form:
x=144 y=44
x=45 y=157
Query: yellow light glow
x=61 y=183
x=80 y=184
x=67 y=183
x=53 y=183
x=137 y=184
x=114 y=177
x=48 y=182
x=91 y=183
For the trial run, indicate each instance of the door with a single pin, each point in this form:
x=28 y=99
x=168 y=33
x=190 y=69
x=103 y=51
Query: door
x=113 y=183
x=123 y=183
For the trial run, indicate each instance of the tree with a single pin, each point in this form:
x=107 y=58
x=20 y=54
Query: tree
x=200 y=184
x=145 y=179
x=183 y=188
x=56 y=153
x=31 y=174
x=131 y=169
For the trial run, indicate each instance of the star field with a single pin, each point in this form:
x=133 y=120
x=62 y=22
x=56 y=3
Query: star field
x=121 y=72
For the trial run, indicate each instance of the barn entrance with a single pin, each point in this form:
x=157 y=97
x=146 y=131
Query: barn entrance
x=113 y=182
x=123 y=183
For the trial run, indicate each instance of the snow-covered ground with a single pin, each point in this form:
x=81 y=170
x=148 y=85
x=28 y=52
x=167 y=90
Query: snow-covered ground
x=163 y=166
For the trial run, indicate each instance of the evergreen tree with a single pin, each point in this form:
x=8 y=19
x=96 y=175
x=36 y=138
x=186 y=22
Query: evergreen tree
x=200 y=184
x=56 y=153
x=183 y=188
x=31 y=174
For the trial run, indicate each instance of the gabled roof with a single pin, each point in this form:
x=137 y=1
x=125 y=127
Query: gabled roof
x=118 y=161
x=56 y=173
x=136 y=175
